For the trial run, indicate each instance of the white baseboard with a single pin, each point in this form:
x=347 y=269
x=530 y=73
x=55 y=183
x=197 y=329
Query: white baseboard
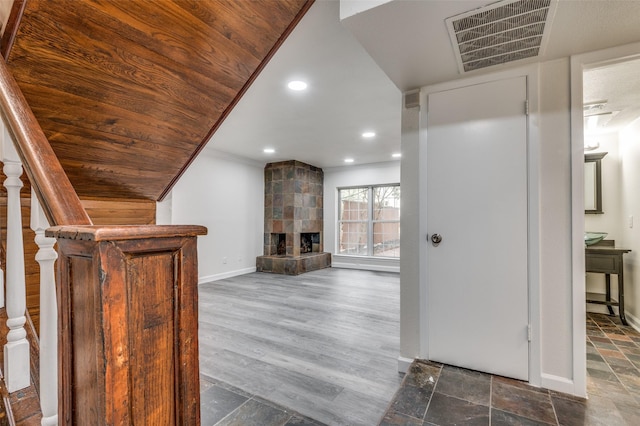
x=601 y=309
x=223 y=275
x=403 y=364
x=365 y=263
x=633 y=321
x=558 y=384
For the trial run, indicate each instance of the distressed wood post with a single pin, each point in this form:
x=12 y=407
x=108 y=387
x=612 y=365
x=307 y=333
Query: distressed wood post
x=128 y=321
x=16 y=350
x=46 y=257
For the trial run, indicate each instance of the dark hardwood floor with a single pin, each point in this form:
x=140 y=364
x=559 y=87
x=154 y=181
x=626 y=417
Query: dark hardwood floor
x=323 y=344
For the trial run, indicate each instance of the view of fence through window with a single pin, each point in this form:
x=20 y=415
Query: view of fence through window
x=369 y=221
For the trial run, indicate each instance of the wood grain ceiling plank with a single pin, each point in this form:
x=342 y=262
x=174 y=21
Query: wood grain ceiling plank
x=73 y=111
x=128 y=92
x=102 y=181
x=167 y=30
x=68 y=43
x=139 y=154
x=130 y=84
x=101 y=156
x=88 y=96
x=246 y=15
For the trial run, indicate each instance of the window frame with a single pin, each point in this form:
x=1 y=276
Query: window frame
x=370 y=221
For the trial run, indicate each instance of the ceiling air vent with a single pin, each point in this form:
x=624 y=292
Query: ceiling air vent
x=501 y=32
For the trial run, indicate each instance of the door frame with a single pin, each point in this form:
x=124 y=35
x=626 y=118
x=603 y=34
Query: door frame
x=580 y=63
x=531 y=73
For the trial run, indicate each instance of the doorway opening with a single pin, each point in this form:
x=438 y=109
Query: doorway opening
x=588 y=119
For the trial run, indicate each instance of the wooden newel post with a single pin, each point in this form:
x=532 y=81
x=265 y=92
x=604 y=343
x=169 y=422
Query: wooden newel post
x=128 y=325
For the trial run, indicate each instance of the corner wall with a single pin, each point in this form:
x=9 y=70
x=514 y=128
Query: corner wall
x=556 y=292
x=630 y=188
x=225 y=194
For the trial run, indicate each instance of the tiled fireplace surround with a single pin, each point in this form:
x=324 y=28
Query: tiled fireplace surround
x=293 y=214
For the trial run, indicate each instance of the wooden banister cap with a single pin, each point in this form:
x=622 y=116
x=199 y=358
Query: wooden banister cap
x=123 y=232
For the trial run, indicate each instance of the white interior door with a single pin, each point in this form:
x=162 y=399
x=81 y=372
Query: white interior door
x=477 y=202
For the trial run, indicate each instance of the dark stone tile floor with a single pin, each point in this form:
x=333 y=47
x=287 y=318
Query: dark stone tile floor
x=436 y=394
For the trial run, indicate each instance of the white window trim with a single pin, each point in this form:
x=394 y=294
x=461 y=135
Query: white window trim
x=370 y=221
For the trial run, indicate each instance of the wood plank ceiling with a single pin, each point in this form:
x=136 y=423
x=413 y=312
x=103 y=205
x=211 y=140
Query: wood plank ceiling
x=129 y=91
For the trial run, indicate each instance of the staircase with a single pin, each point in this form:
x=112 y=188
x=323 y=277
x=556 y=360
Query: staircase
x=104 y=105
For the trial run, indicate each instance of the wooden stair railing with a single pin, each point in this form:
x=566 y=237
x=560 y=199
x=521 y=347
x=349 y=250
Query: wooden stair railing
x=57 y=197
x=127 y=343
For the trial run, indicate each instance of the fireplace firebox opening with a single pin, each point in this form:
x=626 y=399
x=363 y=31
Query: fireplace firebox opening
x=279 y=244
x=309 y=242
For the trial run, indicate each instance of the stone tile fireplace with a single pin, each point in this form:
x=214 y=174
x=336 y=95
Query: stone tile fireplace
x=293 y=219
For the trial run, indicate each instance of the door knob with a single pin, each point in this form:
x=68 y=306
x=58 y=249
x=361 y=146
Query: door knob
x=436 y=238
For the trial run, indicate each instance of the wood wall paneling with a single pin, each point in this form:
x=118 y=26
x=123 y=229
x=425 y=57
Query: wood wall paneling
x=121 y=211
x=102 y=212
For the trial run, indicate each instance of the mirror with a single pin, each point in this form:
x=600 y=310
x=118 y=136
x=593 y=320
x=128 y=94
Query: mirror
x=593 y=182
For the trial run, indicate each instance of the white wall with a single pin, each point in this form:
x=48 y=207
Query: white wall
x=5 y=11
x=630 y=206
x=611 y=181
x=413 y=298
x=353 y=7
x=556 y=311
x=611 y=220
x=339 y=177
x=225 y=194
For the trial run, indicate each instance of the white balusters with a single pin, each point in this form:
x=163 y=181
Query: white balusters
x=46 y=257
x=16 y=351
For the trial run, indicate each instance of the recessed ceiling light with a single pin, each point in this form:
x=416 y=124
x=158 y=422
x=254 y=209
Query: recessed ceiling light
x=297 y=85
x=348 y=160
x=268 y=150
x=368 y=134
x=396 y=155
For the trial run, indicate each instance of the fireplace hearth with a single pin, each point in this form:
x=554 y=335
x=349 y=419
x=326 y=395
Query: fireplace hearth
x=293 y=219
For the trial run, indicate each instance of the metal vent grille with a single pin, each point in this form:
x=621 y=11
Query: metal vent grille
x=501 y=32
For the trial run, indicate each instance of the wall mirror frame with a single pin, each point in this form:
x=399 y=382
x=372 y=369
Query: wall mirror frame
x=593 y=182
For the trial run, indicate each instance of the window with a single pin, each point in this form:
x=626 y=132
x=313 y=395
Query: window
x=369 y=221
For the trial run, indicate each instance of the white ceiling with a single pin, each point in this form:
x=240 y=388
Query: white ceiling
x=409 y=39
x=618 y=85
x=349 y=93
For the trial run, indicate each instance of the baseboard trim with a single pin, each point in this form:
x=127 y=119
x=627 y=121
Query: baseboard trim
x=559 y=384
x=633 y=321
x=404 y=364
x=601 y=309
x=365 y=263
x=223 y=275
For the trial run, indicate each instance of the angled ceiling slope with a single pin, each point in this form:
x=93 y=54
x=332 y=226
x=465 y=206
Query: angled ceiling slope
x=128 y=92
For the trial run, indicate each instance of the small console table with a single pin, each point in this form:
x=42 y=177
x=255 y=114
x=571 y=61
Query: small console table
x=604 y=258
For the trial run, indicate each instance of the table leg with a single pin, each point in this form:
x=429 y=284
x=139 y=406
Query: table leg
x=621 y=297
x=608 y=292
